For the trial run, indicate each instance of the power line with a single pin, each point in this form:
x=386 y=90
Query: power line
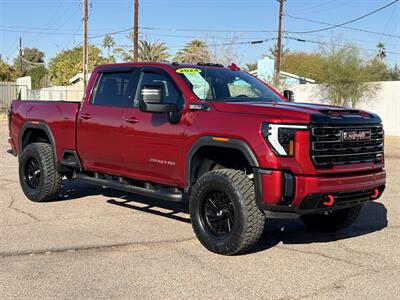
x=31 y=62
x=316 y=6
x=201 y=37
x=347 y=22
x=342 y=45
x=178 y=29
x=110 y=33
x=346 y=27
x=70 y=30
x=206 y=30
x=38 y=32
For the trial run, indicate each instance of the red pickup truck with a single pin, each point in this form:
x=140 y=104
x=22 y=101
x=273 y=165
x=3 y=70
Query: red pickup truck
x=239 y=149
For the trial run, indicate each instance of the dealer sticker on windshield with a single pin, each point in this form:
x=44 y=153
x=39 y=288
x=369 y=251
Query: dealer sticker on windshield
x=188 y=71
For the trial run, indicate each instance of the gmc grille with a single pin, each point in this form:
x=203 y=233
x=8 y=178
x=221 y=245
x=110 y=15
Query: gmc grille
x=329 y=148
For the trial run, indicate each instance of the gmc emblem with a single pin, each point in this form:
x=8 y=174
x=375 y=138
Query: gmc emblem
x=356 y=135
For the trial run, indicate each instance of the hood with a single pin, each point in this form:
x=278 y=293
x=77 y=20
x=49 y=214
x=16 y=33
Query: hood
x=288 y=112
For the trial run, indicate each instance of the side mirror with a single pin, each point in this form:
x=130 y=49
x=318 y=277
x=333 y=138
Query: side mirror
x=152 y=100
x=289 y=95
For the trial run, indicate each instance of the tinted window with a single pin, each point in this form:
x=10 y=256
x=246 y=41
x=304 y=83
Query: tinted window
x=112 y=89
x=171 y=94
x=222 y=84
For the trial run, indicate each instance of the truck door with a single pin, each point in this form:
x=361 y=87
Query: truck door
x=154 y=143
x=99 y=138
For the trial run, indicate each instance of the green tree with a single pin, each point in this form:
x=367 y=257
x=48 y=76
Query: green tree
x=32 y=64
x=123 y=53
x=68 y=63
x=272 y=51
x=250 y=67
x=394 y=73
x=31 y=57
x=376 y=70
x=7 y=72
x=39 y=77
x=304 y=64
x=108 y=43
x=153 y=51
x=344 y=77
x=148 y=51
x=194 y=51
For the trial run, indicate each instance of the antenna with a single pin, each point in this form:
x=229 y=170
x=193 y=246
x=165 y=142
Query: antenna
x=20 y=56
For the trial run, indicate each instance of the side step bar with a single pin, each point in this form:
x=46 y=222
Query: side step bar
x=113 y=184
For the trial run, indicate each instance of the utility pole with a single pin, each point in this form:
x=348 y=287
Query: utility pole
x=85 y=43
x=135 y=31
x=279 y=44
x=20 y=55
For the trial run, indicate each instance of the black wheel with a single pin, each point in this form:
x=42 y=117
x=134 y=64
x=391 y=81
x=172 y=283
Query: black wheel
x=37 y=173
x=223 y=212
x=334 y=221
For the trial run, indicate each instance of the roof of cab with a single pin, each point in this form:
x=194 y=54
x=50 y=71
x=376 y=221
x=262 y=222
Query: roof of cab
x=174 y=65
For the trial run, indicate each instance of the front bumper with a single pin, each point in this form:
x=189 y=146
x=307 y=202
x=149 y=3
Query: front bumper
x=306 y=194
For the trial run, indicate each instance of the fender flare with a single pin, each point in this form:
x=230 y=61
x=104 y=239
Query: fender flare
x=42 y=126
x=231 y=143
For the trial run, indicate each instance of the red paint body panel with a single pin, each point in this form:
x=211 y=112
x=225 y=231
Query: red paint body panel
x=341 y=183
x=152 y=149
x=160 y=149
x=273 y=187
x=59 y=116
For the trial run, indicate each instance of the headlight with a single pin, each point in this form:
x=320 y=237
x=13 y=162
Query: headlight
x=281 y=137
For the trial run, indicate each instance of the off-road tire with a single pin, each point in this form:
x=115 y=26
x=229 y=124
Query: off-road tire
x=335 y=221
x=249 y=220
x=50 y=180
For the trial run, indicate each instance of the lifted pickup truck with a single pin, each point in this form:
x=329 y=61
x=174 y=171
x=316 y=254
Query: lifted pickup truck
x=238 y=148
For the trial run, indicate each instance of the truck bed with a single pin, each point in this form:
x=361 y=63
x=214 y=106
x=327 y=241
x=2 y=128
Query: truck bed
x=58 y=116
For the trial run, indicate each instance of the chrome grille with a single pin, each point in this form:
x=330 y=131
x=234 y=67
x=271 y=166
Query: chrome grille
x=328 y=148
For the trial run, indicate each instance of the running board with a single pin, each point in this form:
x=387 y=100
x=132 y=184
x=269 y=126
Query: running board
x=113 y=184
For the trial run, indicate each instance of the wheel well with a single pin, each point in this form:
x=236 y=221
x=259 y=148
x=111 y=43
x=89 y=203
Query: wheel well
x=34 y=135
x=209 y=158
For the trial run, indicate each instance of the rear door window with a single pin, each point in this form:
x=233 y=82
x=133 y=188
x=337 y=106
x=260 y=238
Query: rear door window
x=112 y=89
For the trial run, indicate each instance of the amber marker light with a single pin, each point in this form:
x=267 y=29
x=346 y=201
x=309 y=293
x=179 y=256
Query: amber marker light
x=220 y=139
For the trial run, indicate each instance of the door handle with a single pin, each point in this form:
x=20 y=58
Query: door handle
x=86 y=116
x=132 y=120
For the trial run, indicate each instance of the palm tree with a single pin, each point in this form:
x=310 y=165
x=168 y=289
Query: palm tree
x=251 y=67
x=108 y=42
x=153 y=51
x=195 y=51
x=381 y=51
x=272 y=51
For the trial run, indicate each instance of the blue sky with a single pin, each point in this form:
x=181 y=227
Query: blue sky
x=52 y=25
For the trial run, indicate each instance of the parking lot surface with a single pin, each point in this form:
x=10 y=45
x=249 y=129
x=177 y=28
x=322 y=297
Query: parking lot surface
x=98 y=243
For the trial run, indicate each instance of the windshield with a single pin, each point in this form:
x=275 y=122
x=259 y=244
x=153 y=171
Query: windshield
x=222 y=84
